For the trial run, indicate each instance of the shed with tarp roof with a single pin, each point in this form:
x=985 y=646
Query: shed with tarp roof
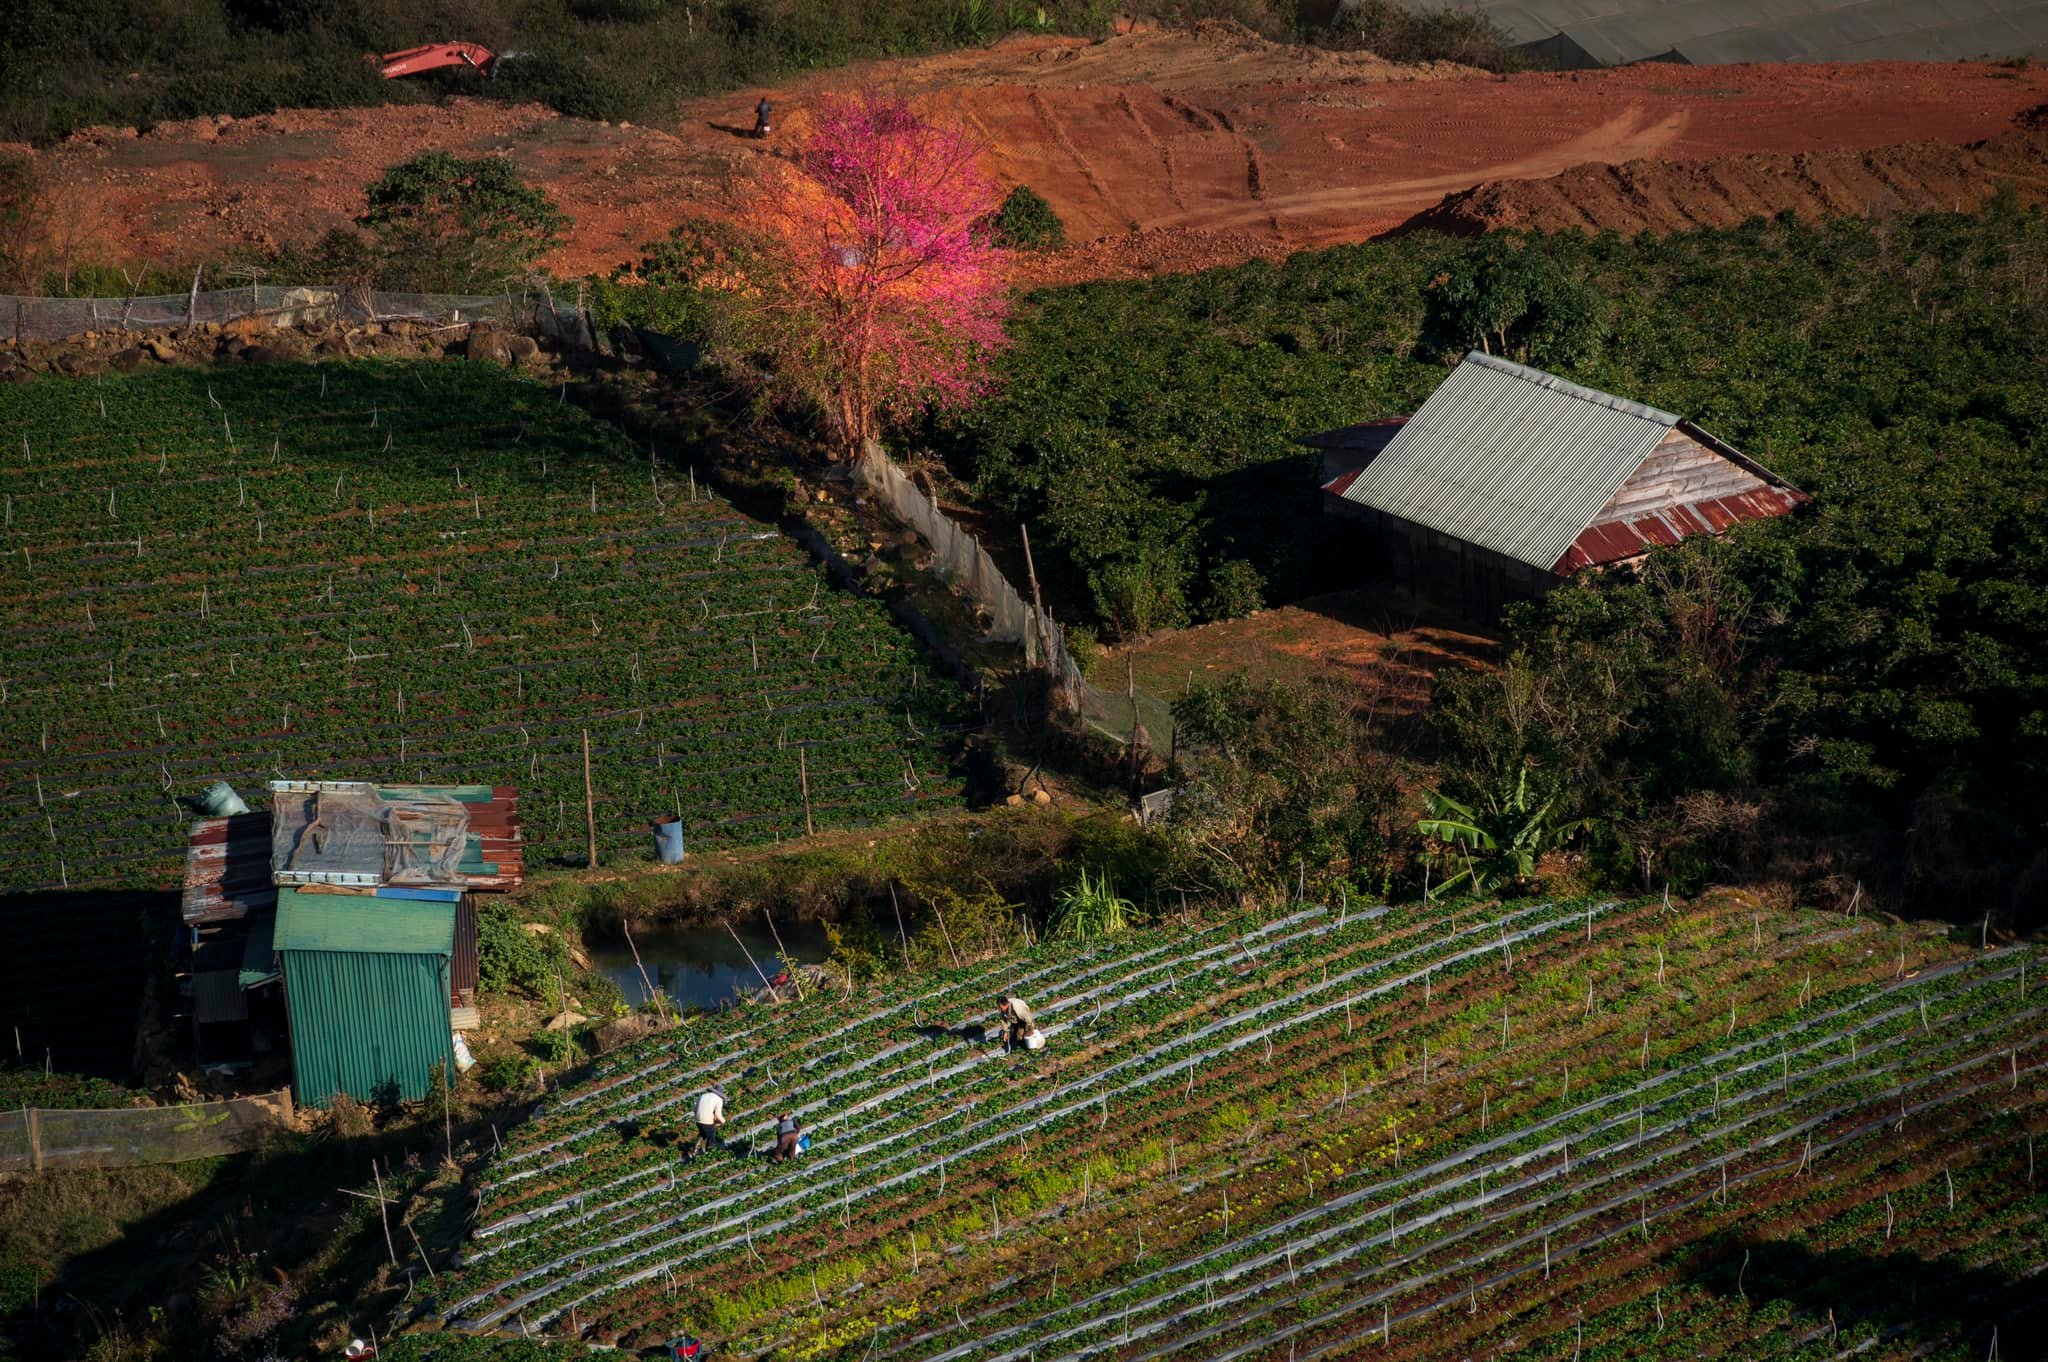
x=346 y=911
x=1509 y=479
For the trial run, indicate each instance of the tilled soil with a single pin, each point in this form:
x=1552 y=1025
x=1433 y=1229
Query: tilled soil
x=1658 y=196
x=1161 y=151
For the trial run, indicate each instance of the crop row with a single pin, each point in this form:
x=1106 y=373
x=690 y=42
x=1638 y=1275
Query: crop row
x=424 y=573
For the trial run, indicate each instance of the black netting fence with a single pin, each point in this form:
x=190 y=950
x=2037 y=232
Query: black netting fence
x=963 y=561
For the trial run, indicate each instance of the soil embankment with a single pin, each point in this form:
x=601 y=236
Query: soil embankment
x=1654 y=196
x=1162 y=151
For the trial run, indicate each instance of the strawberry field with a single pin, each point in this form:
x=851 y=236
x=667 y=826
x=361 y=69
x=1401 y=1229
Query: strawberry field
x=1573 y=1128
x=420 y=573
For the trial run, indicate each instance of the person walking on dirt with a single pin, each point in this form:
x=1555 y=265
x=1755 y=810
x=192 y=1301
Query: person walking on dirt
x=1017 y=1021
x=761 y=113
x=788 y=1131
x=710 y=1116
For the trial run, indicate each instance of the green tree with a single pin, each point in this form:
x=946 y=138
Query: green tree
x=1026 y=222
x=1514 y=300
x=1284 y=774
x=444 y=223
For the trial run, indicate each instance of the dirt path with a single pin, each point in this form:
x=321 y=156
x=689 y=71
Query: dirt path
x=1161 y=151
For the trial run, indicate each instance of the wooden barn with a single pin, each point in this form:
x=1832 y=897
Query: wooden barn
x=1509 y=480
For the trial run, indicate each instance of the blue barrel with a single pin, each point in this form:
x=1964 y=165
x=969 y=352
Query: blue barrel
x=221 y=801
x=668 y=839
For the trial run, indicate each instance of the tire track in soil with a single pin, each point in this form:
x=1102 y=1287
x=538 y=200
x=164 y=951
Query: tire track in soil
x=1065 y=143
x=1164 y=148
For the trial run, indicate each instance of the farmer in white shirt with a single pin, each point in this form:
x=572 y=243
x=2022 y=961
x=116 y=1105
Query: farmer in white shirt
x=710 y=1116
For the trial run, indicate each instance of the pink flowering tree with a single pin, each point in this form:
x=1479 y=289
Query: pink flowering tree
x=871 y=279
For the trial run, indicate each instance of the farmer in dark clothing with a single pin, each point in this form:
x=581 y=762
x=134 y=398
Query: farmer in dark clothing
x=761 y=112
x=788 y=1131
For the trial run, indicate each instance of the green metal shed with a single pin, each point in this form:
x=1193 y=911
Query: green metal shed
x=366 y=989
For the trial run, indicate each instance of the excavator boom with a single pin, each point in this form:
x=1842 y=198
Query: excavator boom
x=433 y=56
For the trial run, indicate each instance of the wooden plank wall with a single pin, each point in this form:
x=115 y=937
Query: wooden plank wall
x=1679 y=471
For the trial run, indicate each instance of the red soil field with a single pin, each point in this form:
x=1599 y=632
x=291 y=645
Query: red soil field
x=1161 y=151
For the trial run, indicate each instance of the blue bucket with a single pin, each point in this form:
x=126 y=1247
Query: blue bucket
x=221 y=801
x=668 y=839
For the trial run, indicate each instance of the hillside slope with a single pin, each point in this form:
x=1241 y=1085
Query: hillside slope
x=1414 y=1133
x=1642 y=195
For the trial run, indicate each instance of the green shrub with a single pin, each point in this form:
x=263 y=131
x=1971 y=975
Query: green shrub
x=553 y=1046
x=510 y=957
x=447 y=224
x=503 y=1073
x=1026 y=222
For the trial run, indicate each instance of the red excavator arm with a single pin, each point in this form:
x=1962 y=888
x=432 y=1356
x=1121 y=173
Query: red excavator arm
x=432 y=57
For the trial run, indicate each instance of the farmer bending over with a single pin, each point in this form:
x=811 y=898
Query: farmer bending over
x=710 y=1116
x=788 y=1131
x=1016 y=1015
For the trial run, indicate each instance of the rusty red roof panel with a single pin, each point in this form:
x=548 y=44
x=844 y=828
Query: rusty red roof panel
x=227 y=868
x=1335 y=486
x=227 y=860
x=1618 y=540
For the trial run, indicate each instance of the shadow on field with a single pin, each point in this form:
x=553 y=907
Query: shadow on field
x=1902 y=1294
x=73 y=974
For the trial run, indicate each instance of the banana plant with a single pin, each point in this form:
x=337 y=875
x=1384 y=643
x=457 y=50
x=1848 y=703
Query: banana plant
x=1510 y=833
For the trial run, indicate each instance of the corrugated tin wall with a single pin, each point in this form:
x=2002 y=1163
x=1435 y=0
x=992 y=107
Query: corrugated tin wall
x=463 y=965
x=363 y=1022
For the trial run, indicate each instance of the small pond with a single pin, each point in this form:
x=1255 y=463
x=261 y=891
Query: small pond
x=703 y=966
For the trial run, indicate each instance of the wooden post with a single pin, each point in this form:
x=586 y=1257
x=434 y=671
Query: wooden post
x=784 y=951
x=653 y=996
x=422 y=1249
x=384 y=1214
x=940 y=913
x=192 y=303
x=1131 y=695
x=447 y=1125
x=1037 y=601
x=755 y=963
x=589 y=801
x=803 y=778
x=35 y=1138
x=901 y=937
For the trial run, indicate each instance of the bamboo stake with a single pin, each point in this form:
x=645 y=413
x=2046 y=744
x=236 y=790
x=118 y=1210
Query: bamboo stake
x=902 y=938
x=383 y=1214
x=589 y=801
x=653 y=994
x=755 y=963
x=784 y=951
x=804 y=781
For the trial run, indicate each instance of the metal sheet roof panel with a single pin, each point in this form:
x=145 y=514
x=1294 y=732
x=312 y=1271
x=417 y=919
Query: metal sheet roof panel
x=308 y=920
x=1619 y=540
x=1510 y=458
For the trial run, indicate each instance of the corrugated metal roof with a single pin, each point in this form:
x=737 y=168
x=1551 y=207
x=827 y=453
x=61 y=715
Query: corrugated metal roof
x=1367 y=437
x=1510 y=458
x=363 y=1023
x=1704 y=31
x=308 y=920
x=227 y=860
x=227 y=869
x=1619 y=540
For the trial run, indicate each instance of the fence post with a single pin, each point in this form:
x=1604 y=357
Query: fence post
x=35 y=1139
x=192 y=303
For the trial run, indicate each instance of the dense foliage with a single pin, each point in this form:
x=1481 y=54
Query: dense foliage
x=445 y=223
x=1026 y=222
x=1871 y=665
x=77 y=62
